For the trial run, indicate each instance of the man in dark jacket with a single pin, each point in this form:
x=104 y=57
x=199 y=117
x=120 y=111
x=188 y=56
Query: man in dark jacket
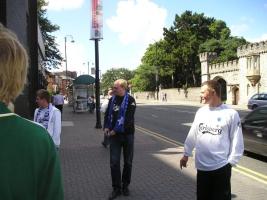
x=119 y=125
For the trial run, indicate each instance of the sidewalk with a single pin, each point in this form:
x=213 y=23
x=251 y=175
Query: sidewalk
x=86 y=171
x=156 y=174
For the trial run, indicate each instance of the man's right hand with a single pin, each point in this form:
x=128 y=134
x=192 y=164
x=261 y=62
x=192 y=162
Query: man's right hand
x=106 y=131
x=183 y=161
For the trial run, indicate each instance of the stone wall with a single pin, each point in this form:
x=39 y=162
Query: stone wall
x=239 y=75
x=192 y=94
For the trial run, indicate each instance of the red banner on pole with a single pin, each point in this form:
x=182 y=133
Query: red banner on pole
x=97 y=20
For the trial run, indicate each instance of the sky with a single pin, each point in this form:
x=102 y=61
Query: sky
x=129 y=26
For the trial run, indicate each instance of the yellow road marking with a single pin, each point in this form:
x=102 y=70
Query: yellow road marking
x=159 y=136
x=262 y=176
x=240 y=169
x=250 y=176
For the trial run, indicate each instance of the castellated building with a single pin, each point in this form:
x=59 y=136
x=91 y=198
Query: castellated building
x=241 y=78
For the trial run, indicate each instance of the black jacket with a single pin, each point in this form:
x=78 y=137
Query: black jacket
x=129 y=116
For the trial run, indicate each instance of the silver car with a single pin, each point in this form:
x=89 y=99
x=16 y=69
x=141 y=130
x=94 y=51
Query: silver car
x=257 y=100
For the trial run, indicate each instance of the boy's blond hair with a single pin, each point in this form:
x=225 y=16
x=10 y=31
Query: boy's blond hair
x=13 y=65
x=123 y=83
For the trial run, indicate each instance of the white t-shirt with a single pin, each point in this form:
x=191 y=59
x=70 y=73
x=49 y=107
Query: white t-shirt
x=216 y=134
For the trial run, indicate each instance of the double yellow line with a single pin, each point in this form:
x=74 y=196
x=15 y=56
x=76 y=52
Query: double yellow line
x=240 y=169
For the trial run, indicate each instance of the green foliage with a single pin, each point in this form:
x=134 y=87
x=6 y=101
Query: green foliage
x=52 y=54
x=175 y=57
x=112 y=75
x=225 y=47
x=144 y=78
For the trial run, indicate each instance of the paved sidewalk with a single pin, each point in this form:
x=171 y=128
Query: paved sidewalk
x=86 y=172
x=156 y=174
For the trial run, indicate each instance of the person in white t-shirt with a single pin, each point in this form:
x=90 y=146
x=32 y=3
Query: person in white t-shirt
x=58 y=101
x=216 y=135
x=103 y=109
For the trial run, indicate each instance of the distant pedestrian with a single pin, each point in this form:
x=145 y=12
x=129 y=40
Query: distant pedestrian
x=91 y=104
x=119 y=125
x=216 y=134
x=29 y=165
x=165 y=96
x=103 y=109
x=58 y=101
x=48 y=116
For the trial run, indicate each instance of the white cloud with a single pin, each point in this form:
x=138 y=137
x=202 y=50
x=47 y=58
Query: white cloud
x=138 y=21
x=242 y=27
x=64 y=4
x=263 y=37
x=239 y=29
x=76 y=57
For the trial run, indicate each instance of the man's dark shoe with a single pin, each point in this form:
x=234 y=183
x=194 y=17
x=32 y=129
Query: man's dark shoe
x=114 y=194
x=125 y=191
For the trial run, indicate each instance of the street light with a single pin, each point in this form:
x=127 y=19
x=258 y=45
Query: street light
x=66 y=61
x=157 y=72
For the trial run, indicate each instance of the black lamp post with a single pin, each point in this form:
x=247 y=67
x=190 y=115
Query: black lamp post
x=66 y=60
x=157 y=72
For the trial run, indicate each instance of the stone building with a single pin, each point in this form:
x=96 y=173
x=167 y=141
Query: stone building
x=240 y=78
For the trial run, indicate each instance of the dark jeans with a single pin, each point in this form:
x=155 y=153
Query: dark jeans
x=91 y=107
x=214 y=185
x=117 y=143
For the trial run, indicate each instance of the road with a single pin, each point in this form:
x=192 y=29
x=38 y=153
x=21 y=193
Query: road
x=171 y=123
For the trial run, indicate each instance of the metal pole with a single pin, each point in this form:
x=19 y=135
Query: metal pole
x=97 y=87
x=157 y=85
x=157 y=74
x=88 y=63
x=66 y=62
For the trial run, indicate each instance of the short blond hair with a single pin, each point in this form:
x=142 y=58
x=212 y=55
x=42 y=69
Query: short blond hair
x=213 y=86
x=13 y=65
x=123 y=83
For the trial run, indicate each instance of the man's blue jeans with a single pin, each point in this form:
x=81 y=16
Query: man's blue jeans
x=120 y=142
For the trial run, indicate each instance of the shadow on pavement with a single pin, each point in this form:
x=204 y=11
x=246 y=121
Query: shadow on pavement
x=86 y=171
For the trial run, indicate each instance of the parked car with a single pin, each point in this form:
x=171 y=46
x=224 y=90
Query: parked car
x=257 y=100
x=254 y=126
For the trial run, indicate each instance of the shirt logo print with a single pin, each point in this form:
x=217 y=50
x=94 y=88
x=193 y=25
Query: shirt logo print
x=204 y=129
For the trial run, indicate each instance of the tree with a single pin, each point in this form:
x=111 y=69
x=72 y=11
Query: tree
x=160 y=60
x=52 y=53
x=176 y=55
x=222 y=42
x=144 y=78
x=184 y=38
x=112 y=75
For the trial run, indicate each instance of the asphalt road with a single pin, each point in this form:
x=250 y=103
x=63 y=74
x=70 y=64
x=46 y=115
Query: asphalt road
x=173 y=122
